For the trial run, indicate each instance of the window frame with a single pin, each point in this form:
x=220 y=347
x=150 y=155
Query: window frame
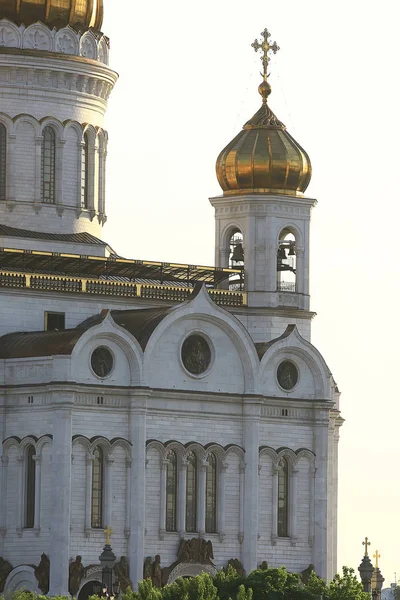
x=97 y=491
x=213 y=518
x=283 y=505
x=52 y=313
x=3 y=162
x=48 y=161
x=191 y=508
x=171 y=507
x=30 y=487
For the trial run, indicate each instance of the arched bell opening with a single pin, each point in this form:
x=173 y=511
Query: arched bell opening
x=236 y=259
x=286 y=264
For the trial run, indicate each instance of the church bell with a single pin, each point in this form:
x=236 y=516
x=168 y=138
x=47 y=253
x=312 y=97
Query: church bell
x=238 y=254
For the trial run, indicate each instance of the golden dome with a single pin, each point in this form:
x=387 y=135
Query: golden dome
x=79 y=14
x=263 y=158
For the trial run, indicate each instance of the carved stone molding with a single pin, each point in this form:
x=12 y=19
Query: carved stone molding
x=65 y=41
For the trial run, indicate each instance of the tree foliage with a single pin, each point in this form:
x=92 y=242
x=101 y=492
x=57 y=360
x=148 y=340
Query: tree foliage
x=227 y=584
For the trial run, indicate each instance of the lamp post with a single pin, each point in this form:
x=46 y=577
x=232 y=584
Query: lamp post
x=107 y=561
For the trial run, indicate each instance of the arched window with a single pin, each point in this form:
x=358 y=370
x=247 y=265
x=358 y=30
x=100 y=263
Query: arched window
x=49 y=165
x=30 y=485
x=97 y=488
x=3 y=161
x=286 y=262
x=236 y=259
x=85 y=173
x=191 y=493
x=170 y=524
x=211 y=494
x=283 y=498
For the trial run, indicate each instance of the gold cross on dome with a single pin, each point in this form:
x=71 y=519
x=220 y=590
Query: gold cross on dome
x=376 y=557
x=366 y=543
x=107 y=533
x=266 y=48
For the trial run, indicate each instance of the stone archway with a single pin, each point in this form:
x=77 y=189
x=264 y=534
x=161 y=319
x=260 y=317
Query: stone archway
x=21 y=578
x=89 y=589
x=190 y=569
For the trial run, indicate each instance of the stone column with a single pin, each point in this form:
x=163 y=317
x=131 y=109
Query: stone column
x=61 y=494
x=10 y=171
x=251 y=419
x=321 y=492
x=109 y=490
x=138 y=483
x=242 y=469
x=38 y=170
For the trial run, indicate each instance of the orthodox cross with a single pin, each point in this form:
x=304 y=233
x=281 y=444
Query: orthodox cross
x=108 y=533
x=376 y=557
x=366 y=543
x=266 y=48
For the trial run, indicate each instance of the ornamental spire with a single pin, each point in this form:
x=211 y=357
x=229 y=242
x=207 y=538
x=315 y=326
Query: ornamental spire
x=266 y=48
x=366 y=543
x=377 y=557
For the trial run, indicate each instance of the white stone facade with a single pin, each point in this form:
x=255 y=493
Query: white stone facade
x=236 y=410
x=271 y=444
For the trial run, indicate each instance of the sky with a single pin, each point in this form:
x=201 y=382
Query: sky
x=188 y=82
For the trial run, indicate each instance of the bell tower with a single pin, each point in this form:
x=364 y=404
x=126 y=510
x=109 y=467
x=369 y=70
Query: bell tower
x=263 y=217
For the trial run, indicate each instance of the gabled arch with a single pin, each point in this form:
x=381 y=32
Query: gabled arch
x=307 y=454
x=83 y=440
x=15 y=31
x=55 y=124
x=289 y=454
x=291 y=343
x=121 y=443
x=77 y=127
x=197 y=449
x=200 y=308
x=42 y=442
x=24 y=118
x=8 y=124
x=178 y=448
x=101 y=441
x=159 y=446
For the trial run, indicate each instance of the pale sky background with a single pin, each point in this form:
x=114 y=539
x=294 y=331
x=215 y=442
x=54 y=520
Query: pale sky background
x=188 y=83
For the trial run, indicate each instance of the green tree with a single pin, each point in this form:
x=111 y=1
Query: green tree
x=346 y=587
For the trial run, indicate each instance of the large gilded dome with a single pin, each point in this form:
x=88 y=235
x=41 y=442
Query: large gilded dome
x=79 y=14
x=263 y=158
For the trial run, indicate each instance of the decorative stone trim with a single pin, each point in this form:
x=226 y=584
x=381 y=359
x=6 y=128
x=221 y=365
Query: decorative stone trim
x=65 y=41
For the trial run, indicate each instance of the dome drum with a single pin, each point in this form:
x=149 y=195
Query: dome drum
x=79 y=14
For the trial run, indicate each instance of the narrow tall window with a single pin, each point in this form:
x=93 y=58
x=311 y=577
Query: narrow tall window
x=49 y=165
x=3 y=161
x=97 y=488
x=211 y=494
x=191 y=492
x=30 y=485
x=85 y=173
x=283 y=498
x=171 y=492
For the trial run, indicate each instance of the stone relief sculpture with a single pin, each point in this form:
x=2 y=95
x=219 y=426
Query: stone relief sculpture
x=42 y=573
x=195 y=550
x=157 y=572
x=76 y=574
x=147 y=567
x=5 y=570
x=237 y=565
x=121 y=570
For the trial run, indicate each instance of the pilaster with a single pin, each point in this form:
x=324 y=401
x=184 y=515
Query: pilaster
x=138 y=412
x=320 y=447
x=61 y=494
x=251 y=421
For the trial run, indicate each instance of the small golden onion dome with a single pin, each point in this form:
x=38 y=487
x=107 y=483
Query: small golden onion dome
x=263 y=158
x=79 y=14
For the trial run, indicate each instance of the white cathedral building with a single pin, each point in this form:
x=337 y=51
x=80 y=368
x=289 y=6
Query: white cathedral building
x=184 y=407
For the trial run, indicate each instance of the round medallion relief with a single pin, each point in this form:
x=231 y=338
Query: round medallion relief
x=196 y=354
x=102 y=361
x=287 y=375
